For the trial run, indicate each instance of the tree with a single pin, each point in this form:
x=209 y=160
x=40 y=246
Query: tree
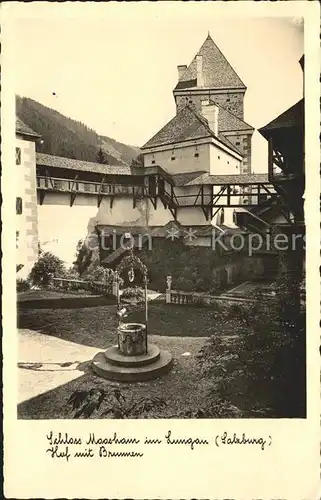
x=47 y=266
x=101 y=157
x=138 y=161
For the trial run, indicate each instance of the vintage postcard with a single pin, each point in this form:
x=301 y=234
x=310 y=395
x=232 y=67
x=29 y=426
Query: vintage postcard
x=160 y=272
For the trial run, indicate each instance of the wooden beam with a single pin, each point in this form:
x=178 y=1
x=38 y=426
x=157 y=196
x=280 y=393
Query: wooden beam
x=134 y=197
x=228 y=202
x=73 y=192
x=42 y=194
x=270 y=159
x=49 y=178
x=173 y=212
x=99 y=198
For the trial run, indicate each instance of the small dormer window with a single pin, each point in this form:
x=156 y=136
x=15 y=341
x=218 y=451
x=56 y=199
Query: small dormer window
x=18 y=156
x=19 y=206
x=237 y=143
x=153 y=162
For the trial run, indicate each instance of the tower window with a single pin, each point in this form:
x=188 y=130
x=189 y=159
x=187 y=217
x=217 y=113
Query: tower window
x=153 y=161
x=228 y=99
x=196 y=155
x=219 y=157
x=237 y=143
x=173 y=158
x=190 y=101
x=228 y=162
x=18 y=206
x=18 y=156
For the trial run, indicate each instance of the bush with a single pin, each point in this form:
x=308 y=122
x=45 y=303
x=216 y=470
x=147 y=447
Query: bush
x=83 y=257
x=133 y=293
x=71 y=274
x=113 y=403
x=98 y=273
x=46 y=267
x=264 y=357
x=22 y=285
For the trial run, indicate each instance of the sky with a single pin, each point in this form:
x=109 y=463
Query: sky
x=116 y=71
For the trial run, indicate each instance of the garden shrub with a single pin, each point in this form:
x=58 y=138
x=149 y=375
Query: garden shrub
x=112 y=404
x=83 y=257
x=22 y=285
x=71 y=274
x=47 y=266
x=264 y=356
x=133 y=293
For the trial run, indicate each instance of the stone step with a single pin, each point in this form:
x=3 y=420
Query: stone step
x=104 y=368
x=115 y=357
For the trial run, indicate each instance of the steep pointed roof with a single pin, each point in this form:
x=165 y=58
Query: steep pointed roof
x=184 y=126
x=228 y=122
x=217 y=71
x=187 y=124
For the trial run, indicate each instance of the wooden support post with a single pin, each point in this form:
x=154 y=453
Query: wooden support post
x=270 y=159
x=99 y=199
x=73 y=192
x=134 y=197
x=42 y=194
x=228 y=201
x=146 y=312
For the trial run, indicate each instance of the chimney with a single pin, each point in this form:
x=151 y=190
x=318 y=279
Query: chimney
x=181 y=70
x=210 y=112
x=199 y=71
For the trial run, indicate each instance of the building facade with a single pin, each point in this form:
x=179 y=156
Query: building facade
x=196 y=171
x=27 y=231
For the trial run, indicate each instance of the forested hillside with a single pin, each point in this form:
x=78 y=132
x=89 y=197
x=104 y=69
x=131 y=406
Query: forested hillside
x=63 y=136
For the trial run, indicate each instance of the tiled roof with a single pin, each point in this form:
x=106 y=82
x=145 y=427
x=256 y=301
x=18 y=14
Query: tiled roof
x=229 y=144
x=23 y=129
x=80 y=165
x=228 y=179
x=187 y=124
x=228 y=122
x=291 y=118
x=217 y=71
x=186 y=177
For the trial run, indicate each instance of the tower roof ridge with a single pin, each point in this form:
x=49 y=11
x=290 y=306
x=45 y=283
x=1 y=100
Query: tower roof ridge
x=217 y=71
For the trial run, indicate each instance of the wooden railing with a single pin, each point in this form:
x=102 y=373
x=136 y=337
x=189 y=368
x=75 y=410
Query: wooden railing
x=87 y=187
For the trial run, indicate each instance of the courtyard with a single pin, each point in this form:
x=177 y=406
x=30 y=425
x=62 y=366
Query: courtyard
x=59 y=334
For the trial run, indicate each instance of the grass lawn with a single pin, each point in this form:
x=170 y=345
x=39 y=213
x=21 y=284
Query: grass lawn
x=96 y=326
x=180 y=329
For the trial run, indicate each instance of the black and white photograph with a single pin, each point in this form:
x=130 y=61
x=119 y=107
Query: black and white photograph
x=160 y=217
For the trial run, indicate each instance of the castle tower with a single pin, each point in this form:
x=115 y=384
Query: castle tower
x=210 y=76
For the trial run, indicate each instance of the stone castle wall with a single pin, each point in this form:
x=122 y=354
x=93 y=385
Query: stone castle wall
x=26 y=221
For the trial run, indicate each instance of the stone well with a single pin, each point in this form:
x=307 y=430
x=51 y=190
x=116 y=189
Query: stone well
x=133 y=359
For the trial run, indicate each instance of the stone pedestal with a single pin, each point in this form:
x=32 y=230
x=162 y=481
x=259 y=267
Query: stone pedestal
x=132 y=360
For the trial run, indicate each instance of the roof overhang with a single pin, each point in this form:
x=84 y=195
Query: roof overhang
x=28 y=136
x=209 y=91
x=192 y=142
